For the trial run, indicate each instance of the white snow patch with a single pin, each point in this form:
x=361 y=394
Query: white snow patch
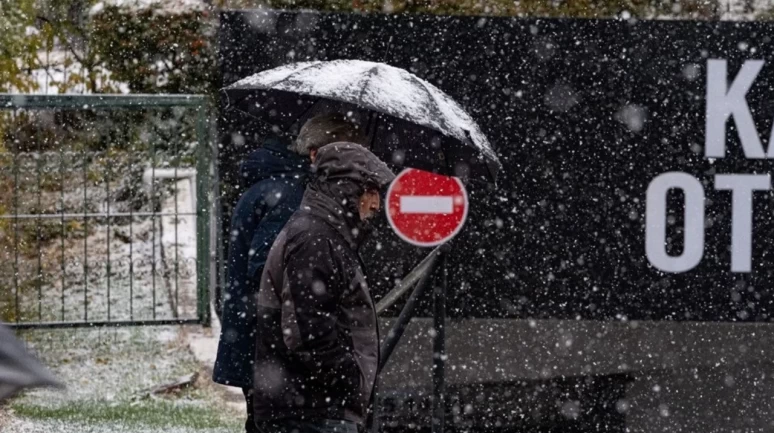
x=97 y=8
x=179 y=243
x=56 y=72
x=59 y=426
x=742 y=10
x=167 y=6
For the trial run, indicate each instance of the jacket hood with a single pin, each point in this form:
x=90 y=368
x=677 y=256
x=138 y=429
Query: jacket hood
x=342 y=171
x=271 y=160
x=343 y=160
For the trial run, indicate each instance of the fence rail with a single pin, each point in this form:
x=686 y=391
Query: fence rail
x=92 y=236
x=47 y=102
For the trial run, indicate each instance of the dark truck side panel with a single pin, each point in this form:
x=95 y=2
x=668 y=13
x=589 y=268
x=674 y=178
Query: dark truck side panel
x=560 y=319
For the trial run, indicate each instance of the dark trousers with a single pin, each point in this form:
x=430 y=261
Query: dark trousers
x=293 y=425
x=250 y=423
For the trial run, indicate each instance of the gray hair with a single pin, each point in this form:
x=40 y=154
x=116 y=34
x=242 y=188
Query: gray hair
x=325 y=129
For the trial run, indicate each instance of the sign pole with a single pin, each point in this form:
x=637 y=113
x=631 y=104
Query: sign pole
x=439 y=349
x=427 y=209
x=375 y=424
x=406 y=314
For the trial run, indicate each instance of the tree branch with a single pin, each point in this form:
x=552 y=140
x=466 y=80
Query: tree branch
x=58 y=31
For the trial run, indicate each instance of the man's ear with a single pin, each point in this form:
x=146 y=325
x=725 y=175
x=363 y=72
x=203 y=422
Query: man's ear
x=312 y=154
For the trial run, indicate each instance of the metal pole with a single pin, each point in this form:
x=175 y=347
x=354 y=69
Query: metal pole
x=132 y=102
x=203 y=253
x=85 y=238
x=176 y=158
x=131 y=242
x=153 y=200
x=439 y=350
x=108 y=173
x=217 y=274
x=16 y=189
x=396 y=332
x=407 y=282
x=63 y=234
x=375 y=425
x=406 y=314
x=38 y=162
x=101 y=324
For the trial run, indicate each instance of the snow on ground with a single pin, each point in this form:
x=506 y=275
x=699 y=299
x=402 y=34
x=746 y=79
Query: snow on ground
x=57 y=426
x=106 y=369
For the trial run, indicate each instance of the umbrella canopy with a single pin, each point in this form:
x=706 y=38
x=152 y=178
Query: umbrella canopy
x=410 y=122
x=18 y=369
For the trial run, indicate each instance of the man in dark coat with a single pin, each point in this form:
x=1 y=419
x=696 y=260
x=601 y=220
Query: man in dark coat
x=318 y=344
x=275 y=178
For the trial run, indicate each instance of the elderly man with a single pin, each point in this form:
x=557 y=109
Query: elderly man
x=317 y=342
x=274 y=177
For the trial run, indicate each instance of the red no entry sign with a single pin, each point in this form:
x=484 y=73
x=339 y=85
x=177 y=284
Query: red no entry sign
x=426 y=209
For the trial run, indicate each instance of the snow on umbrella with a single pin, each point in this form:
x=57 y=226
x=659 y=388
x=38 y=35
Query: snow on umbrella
x=409 y=121
x=18 y=369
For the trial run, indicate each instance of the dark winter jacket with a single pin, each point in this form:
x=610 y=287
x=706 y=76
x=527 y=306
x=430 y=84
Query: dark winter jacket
x=318 y=344
x=275 y=178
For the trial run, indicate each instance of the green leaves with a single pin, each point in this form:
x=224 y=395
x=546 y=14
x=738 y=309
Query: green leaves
x=157 y=52
x=19 y=43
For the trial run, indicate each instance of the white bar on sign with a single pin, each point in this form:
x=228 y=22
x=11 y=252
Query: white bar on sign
x=430 y=204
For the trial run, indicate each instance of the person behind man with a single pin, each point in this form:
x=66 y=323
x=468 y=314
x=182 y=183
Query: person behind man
x=318 y=344
x=275 y=177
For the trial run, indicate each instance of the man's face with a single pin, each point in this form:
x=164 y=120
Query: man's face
x=369 y=204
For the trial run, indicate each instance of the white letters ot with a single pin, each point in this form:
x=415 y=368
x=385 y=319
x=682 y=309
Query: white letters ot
x=655 y=222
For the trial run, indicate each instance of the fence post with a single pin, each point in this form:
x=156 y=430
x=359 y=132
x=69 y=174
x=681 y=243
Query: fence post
x=203 y=249
x=439 y=349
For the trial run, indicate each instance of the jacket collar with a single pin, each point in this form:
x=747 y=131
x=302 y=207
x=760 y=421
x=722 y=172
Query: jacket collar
x=343 y=217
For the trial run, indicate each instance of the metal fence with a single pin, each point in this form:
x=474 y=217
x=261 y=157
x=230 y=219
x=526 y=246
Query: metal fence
x=104 y=210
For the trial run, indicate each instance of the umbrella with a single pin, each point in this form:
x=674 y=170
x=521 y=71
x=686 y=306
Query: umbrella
x=18 y=369
x=409 y=121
